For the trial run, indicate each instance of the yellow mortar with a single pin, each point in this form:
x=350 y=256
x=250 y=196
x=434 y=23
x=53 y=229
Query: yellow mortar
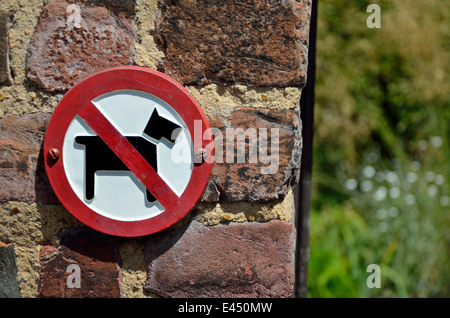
x=28 y=265
x=134 y=273
x=222 y=100
x=146 y=52
x=213 y=214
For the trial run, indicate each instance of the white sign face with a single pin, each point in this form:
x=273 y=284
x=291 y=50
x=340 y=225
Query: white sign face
x=99 y=178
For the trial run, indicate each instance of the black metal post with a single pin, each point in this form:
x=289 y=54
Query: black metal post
x=303 y=191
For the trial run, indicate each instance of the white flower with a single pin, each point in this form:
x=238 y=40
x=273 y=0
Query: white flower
x=394 y=192
x=380 y=193
x=351 y=184
x=391 y=177
x=415 y=165
x=411 y=177
x=393 y=212
x=423 y=144
x=381 y=214
x=436 y=141
x=410 y=199
x=439 y=179
x=429 y=176
x=445 y=200
x=383 y=227
x=432 y=190
x=369 y=172
x=366 y=185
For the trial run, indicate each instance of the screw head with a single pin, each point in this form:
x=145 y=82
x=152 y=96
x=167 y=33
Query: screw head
x=54 y=154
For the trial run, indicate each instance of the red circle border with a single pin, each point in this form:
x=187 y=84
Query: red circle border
x=131 y=78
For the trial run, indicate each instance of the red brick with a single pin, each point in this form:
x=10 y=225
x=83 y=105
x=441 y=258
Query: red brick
x=244 y=260
x=252 y=42
x=60 y=55
x=234 y=181
x=22 y=171
x=97 y=256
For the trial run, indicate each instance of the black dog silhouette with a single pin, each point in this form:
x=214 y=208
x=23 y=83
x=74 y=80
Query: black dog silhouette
x=99 y=157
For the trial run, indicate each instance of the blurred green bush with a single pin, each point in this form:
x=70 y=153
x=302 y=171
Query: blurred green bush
x=381 y=157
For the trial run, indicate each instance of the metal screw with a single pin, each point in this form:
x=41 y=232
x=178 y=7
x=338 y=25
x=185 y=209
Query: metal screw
x=54 y=154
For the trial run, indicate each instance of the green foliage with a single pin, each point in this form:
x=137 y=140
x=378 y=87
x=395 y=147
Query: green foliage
x=381 y=190
x=335 y=267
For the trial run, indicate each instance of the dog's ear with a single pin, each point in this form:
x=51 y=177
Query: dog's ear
x=159 y=127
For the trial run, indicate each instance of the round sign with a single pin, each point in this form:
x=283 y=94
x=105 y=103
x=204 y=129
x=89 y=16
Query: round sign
x=125 y=151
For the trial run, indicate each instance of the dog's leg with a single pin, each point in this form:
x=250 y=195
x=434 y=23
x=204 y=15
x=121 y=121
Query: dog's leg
x=90 y=183
x=149 y=197
x=147 y=150
x=90 y=143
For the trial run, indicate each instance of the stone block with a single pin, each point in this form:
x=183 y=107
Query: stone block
x=22 y=172
x=237 y=260
x=70 y=43
x=264 y=165
x=250 y=42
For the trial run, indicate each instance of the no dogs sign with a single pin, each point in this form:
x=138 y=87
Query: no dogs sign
x=120 y=148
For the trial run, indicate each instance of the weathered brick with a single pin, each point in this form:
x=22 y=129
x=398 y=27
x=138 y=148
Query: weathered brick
x=252 y=42
x=4 y=48
x=22 y=171
x=9 y=286
x=96 y=255
x=244 y=260
x=270 y=176
x=61 y=53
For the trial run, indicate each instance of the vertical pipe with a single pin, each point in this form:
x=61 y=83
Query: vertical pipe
x=303 y=191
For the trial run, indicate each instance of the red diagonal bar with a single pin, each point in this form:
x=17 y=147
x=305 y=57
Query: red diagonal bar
x=128 y=155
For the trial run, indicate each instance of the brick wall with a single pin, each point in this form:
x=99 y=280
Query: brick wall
x=245 y=63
